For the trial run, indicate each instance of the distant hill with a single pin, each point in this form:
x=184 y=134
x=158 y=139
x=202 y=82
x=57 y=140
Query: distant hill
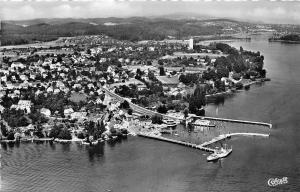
x=132 y=29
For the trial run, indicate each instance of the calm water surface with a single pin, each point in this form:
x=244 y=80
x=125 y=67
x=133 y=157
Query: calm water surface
x=138 y=164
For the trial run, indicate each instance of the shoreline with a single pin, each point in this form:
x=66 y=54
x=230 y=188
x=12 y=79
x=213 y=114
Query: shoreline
x=230 y=91
x=24 y=140
x=284 y=41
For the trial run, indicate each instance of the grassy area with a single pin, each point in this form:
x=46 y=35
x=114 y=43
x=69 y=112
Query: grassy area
x=77 y=97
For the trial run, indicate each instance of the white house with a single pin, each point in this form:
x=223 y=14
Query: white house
x=17 y=65
x=79 y=115
x=1 y=108
x=45 y=112
x=68 y=111
x=24 y=104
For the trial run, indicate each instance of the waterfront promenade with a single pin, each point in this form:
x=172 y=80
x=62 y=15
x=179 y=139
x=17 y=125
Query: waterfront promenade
x=144 y=111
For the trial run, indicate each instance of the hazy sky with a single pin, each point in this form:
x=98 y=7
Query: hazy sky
x=260 y=10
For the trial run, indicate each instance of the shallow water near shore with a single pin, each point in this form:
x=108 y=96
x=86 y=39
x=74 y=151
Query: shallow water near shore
x=140 y=164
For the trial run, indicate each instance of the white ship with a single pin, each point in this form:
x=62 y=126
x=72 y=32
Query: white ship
x=221 y=153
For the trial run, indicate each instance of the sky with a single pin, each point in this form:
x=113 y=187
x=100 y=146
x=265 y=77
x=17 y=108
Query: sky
x=266 y=11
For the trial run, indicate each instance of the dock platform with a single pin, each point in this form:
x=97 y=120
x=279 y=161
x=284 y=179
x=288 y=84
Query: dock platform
x=177 y=142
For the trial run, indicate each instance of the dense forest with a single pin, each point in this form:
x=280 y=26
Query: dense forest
x=287 y=38
x=290 y=37
x=133 y=30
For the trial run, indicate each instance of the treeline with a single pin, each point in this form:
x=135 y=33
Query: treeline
x=135 y=31
x=290 y=37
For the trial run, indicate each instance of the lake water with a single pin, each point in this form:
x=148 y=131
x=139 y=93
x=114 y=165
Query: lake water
x=139 y=164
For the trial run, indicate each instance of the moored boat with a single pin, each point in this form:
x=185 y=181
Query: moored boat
x=170 y=123
x=85 y=143
x=221 y=153
x=94 y=142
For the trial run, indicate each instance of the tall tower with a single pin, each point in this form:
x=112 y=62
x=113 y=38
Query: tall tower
x=191 y=43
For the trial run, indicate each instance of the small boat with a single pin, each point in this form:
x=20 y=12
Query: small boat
x=85 y=143
x=221 y=153
x=199 y=123
x=113 y=138
x=94 y=142
x=170 y=122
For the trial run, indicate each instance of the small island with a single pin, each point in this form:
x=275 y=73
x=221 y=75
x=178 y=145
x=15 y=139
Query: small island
x=290 y=38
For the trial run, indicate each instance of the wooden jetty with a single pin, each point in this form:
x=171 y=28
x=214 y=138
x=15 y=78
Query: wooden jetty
x=177 y=142
x=202 y=146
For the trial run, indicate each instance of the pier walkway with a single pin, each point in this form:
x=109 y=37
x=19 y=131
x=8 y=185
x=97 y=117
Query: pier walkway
x=202 y=146
x=239 y=121
x=151 y=136
x=225 y=136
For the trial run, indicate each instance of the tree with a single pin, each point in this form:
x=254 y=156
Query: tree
x=65 y=134
x=209 y=75
x=241 y=49
x=197 y=100
x=90 y=127
x=226 y=49
x=38 y=131
x=55 y=131
x=222 y=71
x=124 y=105
x=186 y=113
x=6 y=101
x=129 y=111
x=220 y=85
x=263 y=73
x=99 y=130
x=88 y=51
x=156 y=88
x=162 y=109
x=4 y=130
x=162 y=71
x=151 y=75
x=37 y=117
x=139 y=72
x=80 y=135
x=126 y=91
x=190 y=126
x=10 y=135
x=23 y=121
x=157 y=119
x=189 y=78
x=239 y=85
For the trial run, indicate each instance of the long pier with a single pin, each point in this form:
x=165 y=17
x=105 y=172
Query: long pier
x=239 y=121
x=177 y=142
x=204 y=145
x=225 y=136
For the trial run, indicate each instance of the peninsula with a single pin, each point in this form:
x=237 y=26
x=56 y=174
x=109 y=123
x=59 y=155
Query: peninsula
x=290 y=38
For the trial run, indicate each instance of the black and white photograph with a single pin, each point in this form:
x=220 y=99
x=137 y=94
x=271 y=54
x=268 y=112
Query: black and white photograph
x=149 y=95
